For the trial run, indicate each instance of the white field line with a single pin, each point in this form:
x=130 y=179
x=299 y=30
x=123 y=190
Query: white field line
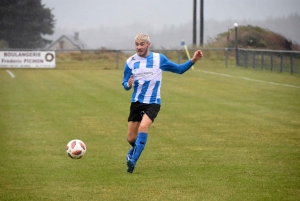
x=254 y=80
x=10 y=73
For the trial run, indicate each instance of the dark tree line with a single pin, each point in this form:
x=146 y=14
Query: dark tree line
x=22 y=23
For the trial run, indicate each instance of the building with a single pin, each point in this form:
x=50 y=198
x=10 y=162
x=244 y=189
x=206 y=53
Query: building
x=68 y=42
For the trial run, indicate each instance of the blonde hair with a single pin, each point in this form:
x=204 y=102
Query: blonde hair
x=142 y=36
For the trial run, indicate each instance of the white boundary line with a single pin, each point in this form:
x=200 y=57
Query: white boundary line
x=10 y=73
x=254 y=80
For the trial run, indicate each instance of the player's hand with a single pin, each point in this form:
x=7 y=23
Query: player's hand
x=130 y=81
x=197 y=55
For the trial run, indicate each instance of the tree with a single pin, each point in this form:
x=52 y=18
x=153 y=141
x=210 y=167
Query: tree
x=24 y=22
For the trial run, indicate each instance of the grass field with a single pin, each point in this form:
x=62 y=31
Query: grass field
x=222 y=134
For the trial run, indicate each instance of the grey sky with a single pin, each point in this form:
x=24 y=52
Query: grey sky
x=79 y=14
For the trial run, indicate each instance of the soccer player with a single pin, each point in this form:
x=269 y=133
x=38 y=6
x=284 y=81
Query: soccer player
x=143 y=73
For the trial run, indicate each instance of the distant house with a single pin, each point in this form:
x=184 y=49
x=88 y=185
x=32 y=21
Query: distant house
x=68 y=42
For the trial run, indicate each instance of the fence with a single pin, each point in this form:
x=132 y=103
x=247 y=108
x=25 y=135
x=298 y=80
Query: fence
x=280 y=61
x=117 y=58
x=180 y=56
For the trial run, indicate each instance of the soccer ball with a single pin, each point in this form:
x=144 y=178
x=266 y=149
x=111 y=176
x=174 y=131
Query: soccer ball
x=76 y=149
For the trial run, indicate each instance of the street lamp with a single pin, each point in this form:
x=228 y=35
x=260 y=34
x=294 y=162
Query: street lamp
x=236 y=44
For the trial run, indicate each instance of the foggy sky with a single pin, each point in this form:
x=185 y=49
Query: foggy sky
x=78 y=15
x=95 y=13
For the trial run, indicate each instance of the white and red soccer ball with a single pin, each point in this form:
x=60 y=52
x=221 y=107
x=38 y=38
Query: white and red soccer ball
x=76 y=149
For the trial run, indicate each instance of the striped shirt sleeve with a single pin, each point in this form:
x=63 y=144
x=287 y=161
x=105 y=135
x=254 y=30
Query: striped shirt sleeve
x=167 y=65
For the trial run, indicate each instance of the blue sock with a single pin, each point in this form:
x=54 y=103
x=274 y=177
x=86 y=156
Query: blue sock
x=130 y=152
x=140 y=143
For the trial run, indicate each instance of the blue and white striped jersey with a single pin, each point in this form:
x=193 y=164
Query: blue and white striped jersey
x=147 y=75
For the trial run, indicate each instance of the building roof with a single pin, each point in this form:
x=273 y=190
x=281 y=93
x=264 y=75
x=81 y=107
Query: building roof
x=74 y=39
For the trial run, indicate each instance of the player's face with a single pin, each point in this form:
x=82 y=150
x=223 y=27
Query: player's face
x=142 y=47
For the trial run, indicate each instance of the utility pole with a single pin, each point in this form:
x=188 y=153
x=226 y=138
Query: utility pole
x=195 y=23
x=201 y=21
x=236 y=44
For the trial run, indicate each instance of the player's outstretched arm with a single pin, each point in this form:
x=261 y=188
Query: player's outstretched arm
x=197 y=56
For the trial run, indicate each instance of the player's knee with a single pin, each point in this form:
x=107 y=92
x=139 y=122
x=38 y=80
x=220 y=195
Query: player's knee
x=131 y=136
x=143 y=128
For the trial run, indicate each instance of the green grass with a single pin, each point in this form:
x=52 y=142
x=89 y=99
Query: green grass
x=215 y=138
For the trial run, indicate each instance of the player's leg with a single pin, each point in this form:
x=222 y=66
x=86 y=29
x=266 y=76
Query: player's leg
x=149 y=113
x=142 y=137
x=140 y=142
x=131 y=137
x=134 y=120
x=132 y=131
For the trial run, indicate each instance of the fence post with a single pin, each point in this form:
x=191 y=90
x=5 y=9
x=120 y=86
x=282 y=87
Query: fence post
x=281 y=58
x=117 y=59
x=292 y=63
x=253 y=61
x=262 y=60
x=226 y=57
x=246 y=59
x=271 y=61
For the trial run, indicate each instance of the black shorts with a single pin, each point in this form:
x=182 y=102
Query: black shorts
x=137 y=110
